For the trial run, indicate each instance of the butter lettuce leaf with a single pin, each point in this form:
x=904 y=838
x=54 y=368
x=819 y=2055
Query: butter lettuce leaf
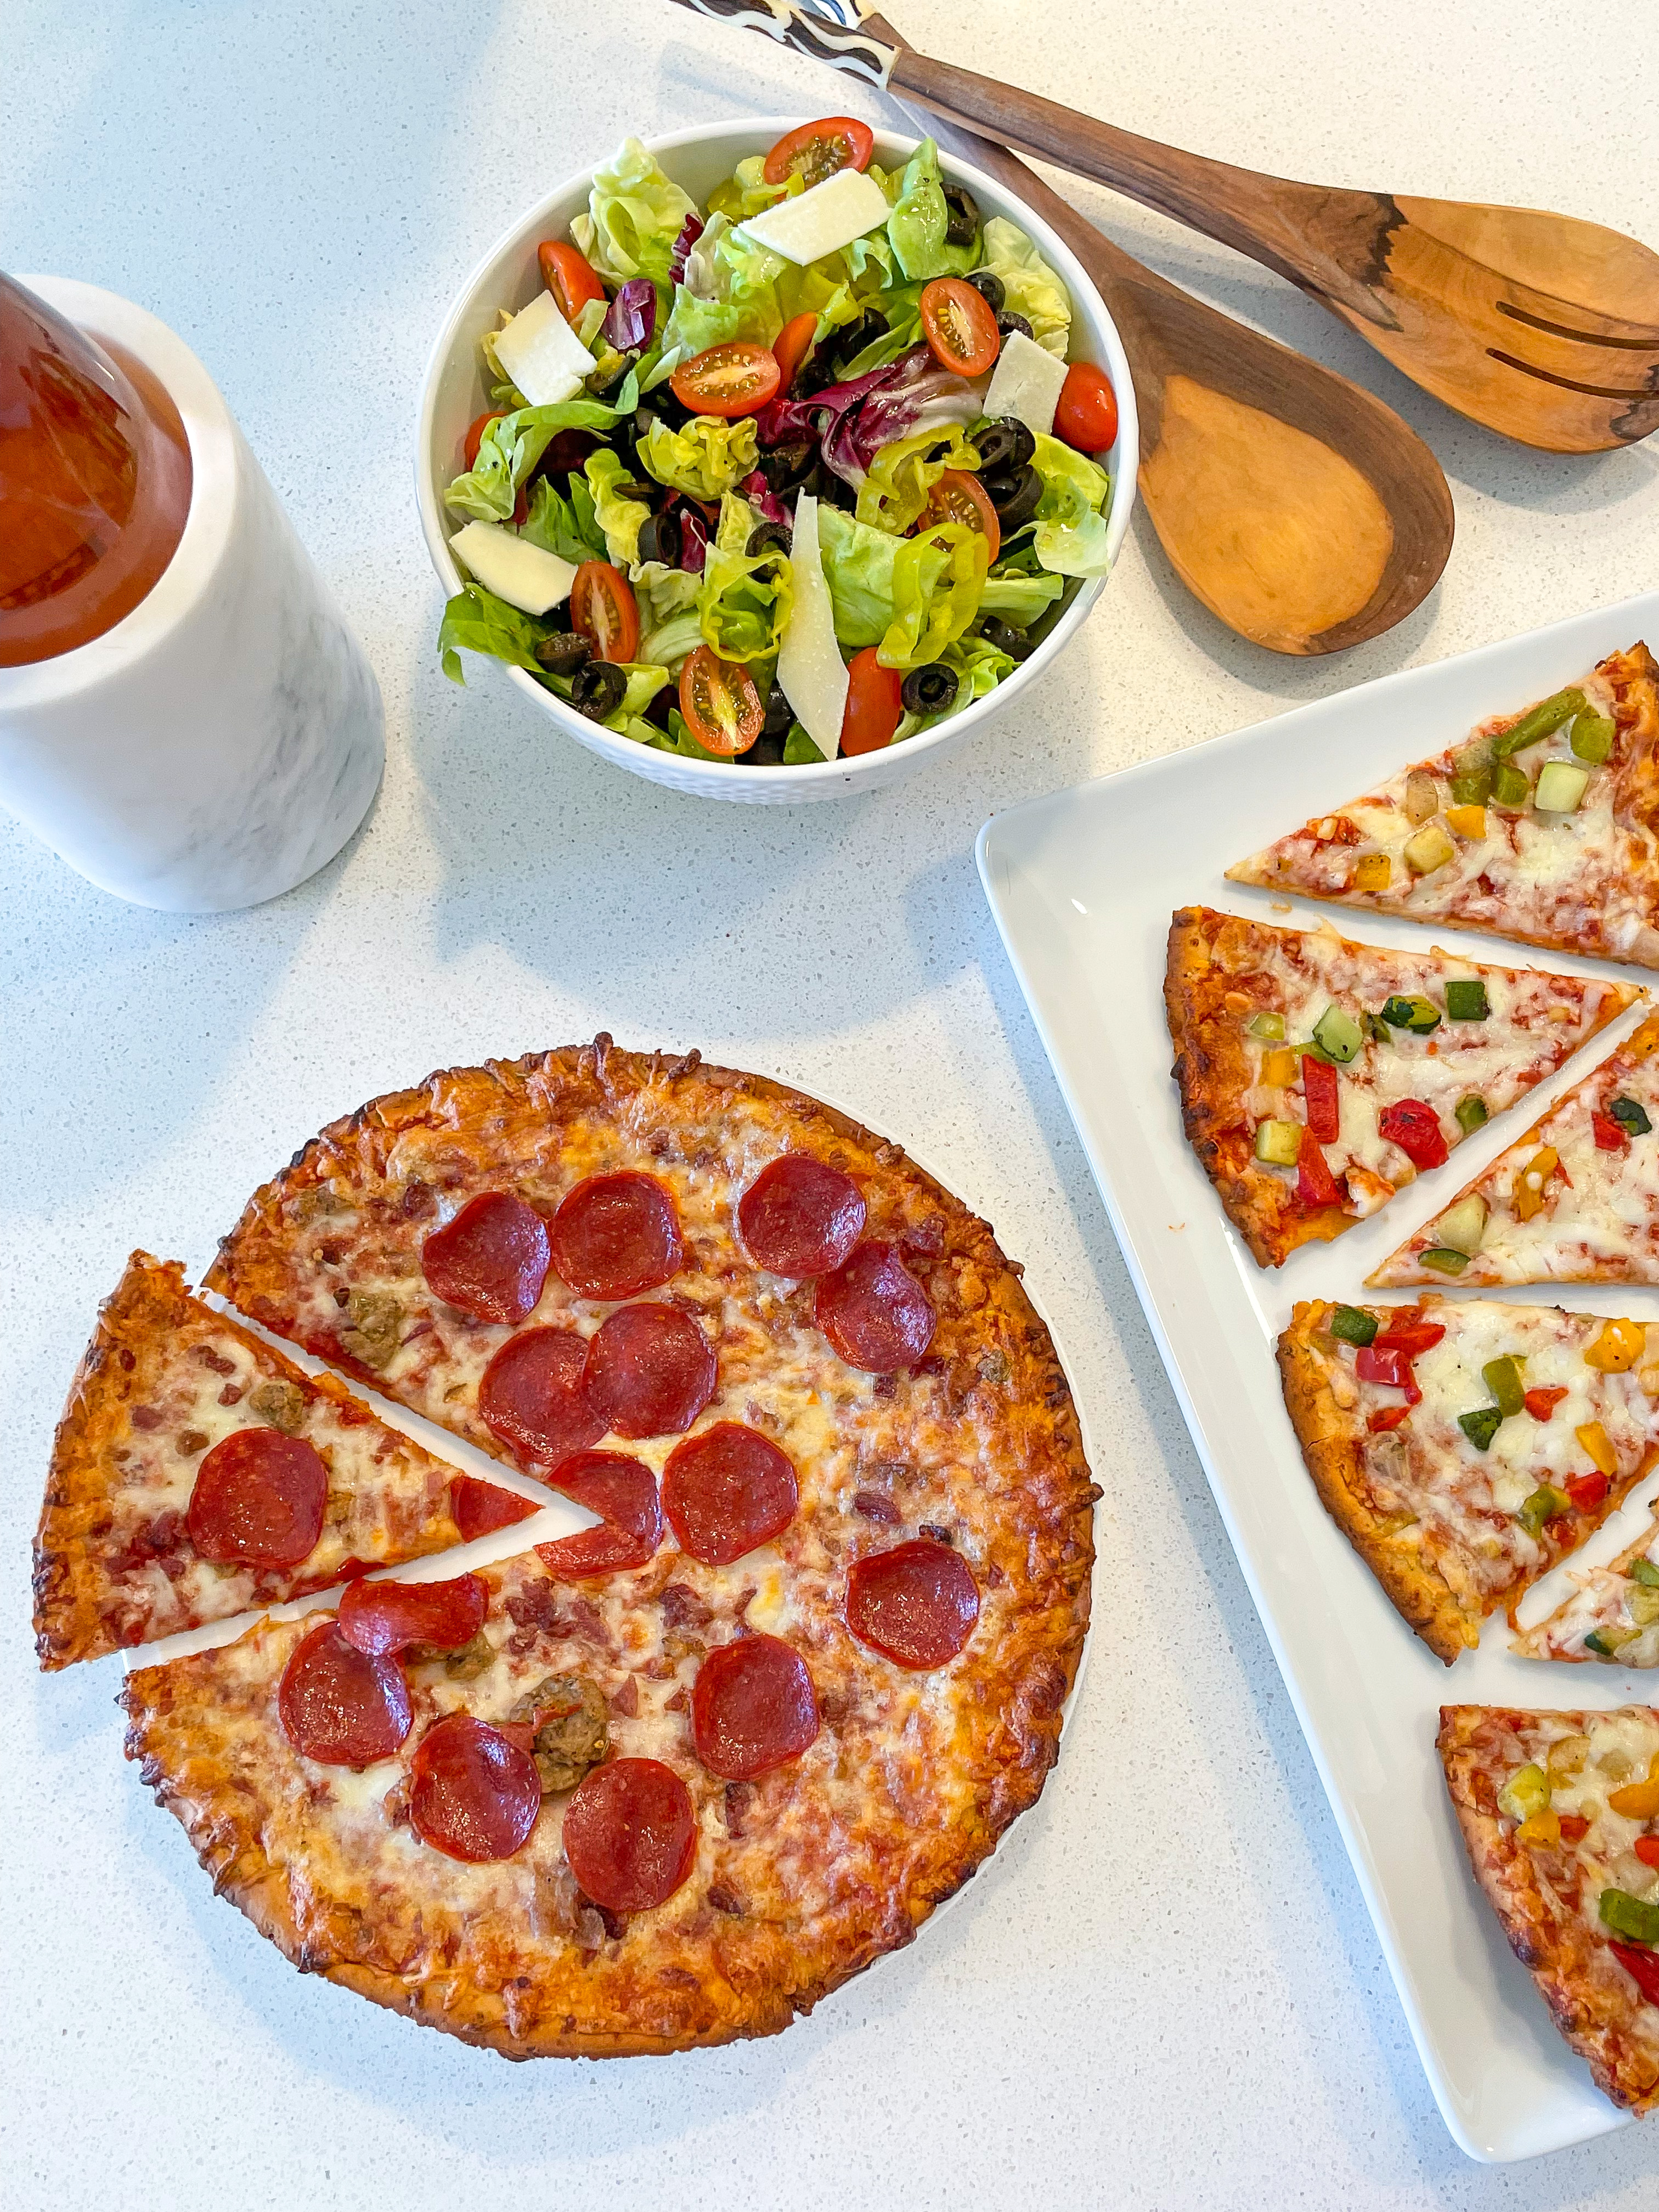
x=555 y=525
x=635 y=214
x=510 y=448
x=1070 y=536
x=742 y=604
x=937 y=582
x=475 y=621
x=858 y=567
x=917 y=225
x=903 y=472
x=703 y=459
x=619 y=517
x=1019 y=599
x=1032 y=287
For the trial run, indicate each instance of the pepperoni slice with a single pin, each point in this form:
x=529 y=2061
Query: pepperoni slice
x=800 y=1216
x=874 y=1311
x=473 y=1793
x=259 y=1500
x=491 y=1260
x=623 y=1494
x=752 y=1707
x=650 y=1371
x=917 y=1603
x=340 y=1706
x=387 y=1617
x=630 y=1834
x=479 y=1507
x=531 y=1398
x=725 y=1490
x=614 y=1236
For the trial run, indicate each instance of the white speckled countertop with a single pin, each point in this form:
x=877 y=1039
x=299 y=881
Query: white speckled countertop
x=1165 y=1991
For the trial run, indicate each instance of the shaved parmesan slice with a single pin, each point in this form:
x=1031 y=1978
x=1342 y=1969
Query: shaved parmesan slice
x=1026 y=384
x=822 y=220
x=810 y=670
x=542 y=354
x=523 y=574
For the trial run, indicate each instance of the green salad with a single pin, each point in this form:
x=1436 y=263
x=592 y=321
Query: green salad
x=784 y=477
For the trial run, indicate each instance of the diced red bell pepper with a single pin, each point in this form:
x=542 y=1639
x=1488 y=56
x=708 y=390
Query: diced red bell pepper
x=1386 y=1418
x=1610 y=1136
x=1390 y=1364
x=1314 y=1183
x=1588 y=1492
x=1411 y=1337
x=1319 y=1087
x=1574 y=1827
x=1642 y=1965
x=1416 y=1129
x=1542 y=1403
x=1646 y=1848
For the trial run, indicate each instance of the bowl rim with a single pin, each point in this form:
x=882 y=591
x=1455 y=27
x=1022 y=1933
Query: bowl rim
x=712 y=777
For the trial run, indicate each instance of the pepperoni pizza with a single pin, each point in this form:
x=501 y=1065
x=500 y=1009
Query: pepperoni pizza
x=671 y=1779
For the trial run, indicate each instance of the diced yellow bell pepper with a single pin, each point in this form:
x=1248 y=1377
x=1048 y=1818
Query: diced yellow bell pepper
x=1594 y=1443
x=1371 y=873
x=1527 y=1198
x=1526 y=1794
x=1543 y=1828
x=1467 y=822
x=1637 y=1800
x=1620 y=1345
x=1278 y=1066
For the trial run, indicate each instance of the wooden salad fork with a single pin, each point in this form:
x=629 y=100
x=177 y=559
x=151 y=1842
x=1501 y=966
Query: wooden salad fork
x=1301 y=511
x=1541 y=327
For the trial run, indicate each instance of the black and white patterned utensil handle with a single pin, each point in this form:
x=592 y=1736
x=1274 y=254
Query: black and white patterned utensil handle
x=829 y=32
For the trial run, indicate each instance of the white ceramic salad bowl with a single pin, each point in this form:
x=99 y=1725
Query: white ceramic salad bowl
x=453 y=393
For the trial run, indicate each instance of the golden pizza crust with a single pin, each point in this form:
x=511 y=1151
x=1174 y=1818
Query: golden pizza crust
x=1334 y=1448
x=1592 y=2009
x=147 y=1326
x=992 y=1365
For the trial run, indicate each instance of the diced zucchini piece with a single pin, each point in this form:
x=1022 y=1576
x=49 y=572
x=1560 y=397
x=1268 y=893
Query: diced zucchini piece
x=1631 y=1115
x=1375 y=1028
x=1464 y=1224
x=1502 y=1378
x=1269 y=1029
x=1599 y=1643
x=1417 y=1014
x=1422 y=796
x=1472 y=1113
x=1467 y=822
x=1526 y=1794
x=1538 y=722
x=1372 y=873
x=1480 y=1427
x=1278 y=1143
x=1644 y=1571
x=1465 y=999
x=1474 y=789
x=1431 y=848
x=1443 y=1260
x=1643 y=1606
x=1546 y=1504
x=1561 y=787
x=1509 y=786
x=1338 y=1035
x=1355 y=1326
x=1592 y=736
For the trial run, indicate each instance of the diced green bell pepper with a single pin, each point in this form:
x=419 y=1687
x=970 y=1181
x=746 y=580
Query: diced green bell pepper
x=1546 y=1504
x=1538 y=722
x=1509 y=786
x=1644 y=1570
x=1472 y=790
x=1465 y=999
x=1266 y=1029
x=1354 y=1325
x=1443 y=1260
x=1637 y=1918
x=1630 y=1115
x=1472 y=1113
x=1502 y=1378
x=1480 y=1427
x=1592 y=736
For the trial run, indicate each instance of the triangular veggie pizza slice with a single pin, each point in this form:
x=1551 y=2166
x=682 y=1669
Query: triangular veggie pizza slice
x=1543 y=825
x=1317 y=1076
x=197 y=1472
x=1464 y=1447
x=1560 y=1813
x=1575 y=1201
x=1613 y=1613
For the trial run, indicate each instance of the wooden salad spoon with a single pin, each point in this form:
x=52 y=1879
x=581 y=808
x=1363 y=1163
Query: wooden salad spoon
x=1299 y=509
x=1541 y=327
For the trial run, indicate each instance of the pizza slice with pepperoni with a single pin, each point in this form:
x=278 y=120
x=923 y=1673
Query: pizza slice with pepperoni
x=1543 y=825
x=1318 y=1076
x=197 y=1472
x=1576 y=1200
x=1560 y=1815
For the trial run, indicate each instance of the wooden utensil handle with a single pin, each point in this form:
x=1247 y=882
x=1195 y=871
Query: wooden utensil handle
x=1272 y=219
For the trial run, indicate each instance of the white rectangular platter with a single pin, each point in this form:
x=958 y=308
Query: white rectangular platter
x=1082 y=885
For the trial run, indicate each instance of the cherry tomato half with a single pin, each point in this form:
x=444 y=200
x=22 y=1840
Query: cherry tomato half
x=1086 y=417
x=959 y=497
x=736 y=378
x=475 y=432
x=793 y=342
x=721 y=703
x=569 y=278
x=959 y=326
x=873 y=704
x=603 y=609
x=815 y=150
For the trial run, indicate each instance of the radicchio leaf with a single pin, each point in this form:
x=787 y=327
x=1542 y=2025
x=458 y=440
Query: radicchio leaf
x=631 y=318
x=690 y=232
x=761 y=497
x=856 y=419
